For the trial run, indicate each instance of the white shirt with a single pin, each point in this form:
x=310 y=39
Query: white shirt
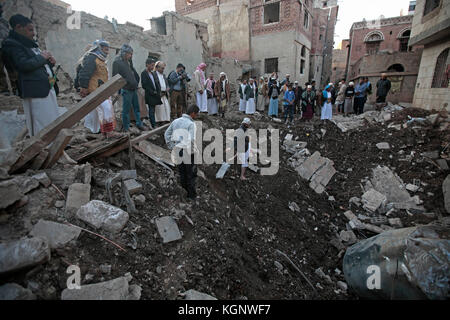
x=162 y=81
x=153 y=79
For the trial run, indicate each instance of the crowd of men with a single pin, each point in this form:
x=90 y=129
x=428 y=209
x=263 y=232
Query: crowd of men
x=271 y=95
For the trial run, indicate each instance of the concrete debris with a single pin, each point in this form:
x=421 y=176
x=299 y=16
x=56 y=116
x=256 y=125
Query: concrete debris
x=342 y=285
x=197 y=296
x=26 y=253
x=396 y=223
x=168 y=229
x=443 y=164
x=26 y=184
x=412 y=188
x=60 y=204
x=373 y=228
x=139 y=200
x=446 y=191
x=318 y=170
x=10 y=192
x=105 y=268
x=103 y=216
x=117 y=289
x=383 y=146
x=294 y=207
x=433 y=155
x=293 y=147
x=133 y=187
x=350 y=215
x=348 y=237
x=79 y=194
x=223 y=171
x=324 y=276
x=372 y=200
x=12 y=292
x=43 y=179
x=57 y=235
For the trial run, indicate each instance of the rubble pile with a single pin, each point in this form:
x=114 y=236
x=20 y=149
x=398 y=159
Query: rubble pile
x=124 y=221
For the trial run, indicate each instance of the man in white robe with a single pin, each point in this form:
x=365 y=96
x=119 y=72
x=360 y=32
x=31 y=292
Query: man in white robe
x=200 y=88
x=162 y=112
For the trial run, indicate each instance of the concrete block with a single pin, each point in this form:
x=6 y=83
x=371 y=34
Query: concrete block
x=372 y=200
x=10 y=193
x=114 y=290
x=57 y=235
x=383 y=146
x=78 y=195
x=18 y=255
x=133 y=187
x=197 y=296
x=168 y=229
x=43 y=179
x=101 y=215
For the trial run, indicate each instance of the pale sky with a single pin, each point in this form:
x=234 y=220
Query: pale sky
x=138 y=11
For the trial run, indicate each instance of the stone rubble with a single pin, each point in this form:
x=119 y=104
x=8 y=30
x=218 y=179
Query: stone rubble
x=57 y=235
x=101 y=215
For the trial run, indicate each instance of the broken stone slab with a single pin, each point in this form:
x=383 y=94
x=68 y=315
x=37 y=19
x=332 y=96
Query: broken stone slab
x=26 y=184
x=289 y=137
x=348 y=237
x=396 y=223
x=383 y=146
x=113 y=290
x=43 y=179
x=12 y=292
x=412 y=188
x=350 y=215
x=25 y=253
x=311 y=165
x=140 y=199
x=62 y=178
x=443 y=164
x=133 y=187
x=389 y=184
x=198 y=296
x=322 y=177
x=434 y=155
x=78 y=195
x=168 y=229
x=103 y=216
x=372 y=200
x=446 y=191
x=294 y=207
x=10 y=193
x=373 y=228
x=355 y=224
x=57 y=235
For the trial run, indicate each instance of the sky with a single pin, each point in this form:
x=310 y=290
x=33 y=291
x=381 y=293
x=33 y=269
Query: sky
x=138 y=11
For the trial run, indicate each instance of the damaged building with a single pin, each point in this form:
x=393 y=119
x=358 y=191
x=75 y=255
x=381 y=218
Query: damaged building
x=287 y=36
x=382 y=46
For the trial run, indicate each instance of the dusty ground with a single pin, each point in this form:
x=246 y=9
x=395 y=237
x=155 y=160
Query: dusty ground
x=230 y=250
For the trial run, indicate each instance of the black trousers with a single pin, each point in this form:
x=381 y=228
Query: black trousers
x=188 y=174
x=359 y=105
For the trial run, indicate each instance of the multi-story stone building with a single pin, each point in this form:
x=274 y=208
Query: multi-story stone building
x=270 y=35
x=431 y=29
x=383 y=46
x=339 y=63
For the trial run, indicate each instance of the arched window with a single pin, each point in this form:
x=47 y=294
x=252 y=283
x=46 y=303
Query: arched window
x=373 y=40
x=396 y=68
x=404 y=40
x=441 y=73
x=303 y=51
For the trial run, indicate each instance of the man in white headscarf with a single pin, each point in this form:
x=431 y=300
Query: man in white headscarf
x=223 y=93
x=200 y=88
x=162 y=112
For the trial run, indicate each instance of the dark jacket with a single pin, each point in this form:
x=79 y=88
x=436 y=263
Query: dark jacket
x=152 y=92
x=298 y=94
x=383 y=87
x=127 y=71
x=86 y=71
x=33 y=77
x=271 y=90
x=250 y=93
x=350 y=92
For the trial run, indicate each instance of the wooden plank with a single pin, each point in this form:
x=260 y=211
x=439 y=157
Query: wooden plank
x=68 y=120
x=38 y=162
x=99 y=148
x=57 y=148
x=134 y=142
x=154 y=151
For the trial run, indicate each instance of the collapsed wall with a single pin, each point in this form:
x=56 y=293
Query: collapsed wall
x=182 y=39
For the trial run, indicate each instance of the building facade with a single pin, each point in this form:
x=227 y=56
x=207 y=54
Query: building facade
x=269 y=35
x=431 y=29
x=339 y=62
x=382 y=46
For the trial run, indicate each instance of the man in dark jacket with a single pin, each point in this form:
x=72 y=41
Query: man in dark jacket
x=123 y=65
x=150 y=85
x=177 y=83
x=383 y=88
x=37 y=82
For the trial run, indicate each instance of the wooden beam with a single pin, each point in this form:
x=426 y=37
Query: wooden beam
x=57 y=148
x=68 y=120
x=134 y=142
x=155 y=152
x=39 y=160
x=99 y=147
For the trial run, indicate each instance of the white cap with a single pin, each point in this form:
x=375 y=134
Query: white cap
x=351 y=84
x=310 y=87
x=247 y=121
x=331 y=84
